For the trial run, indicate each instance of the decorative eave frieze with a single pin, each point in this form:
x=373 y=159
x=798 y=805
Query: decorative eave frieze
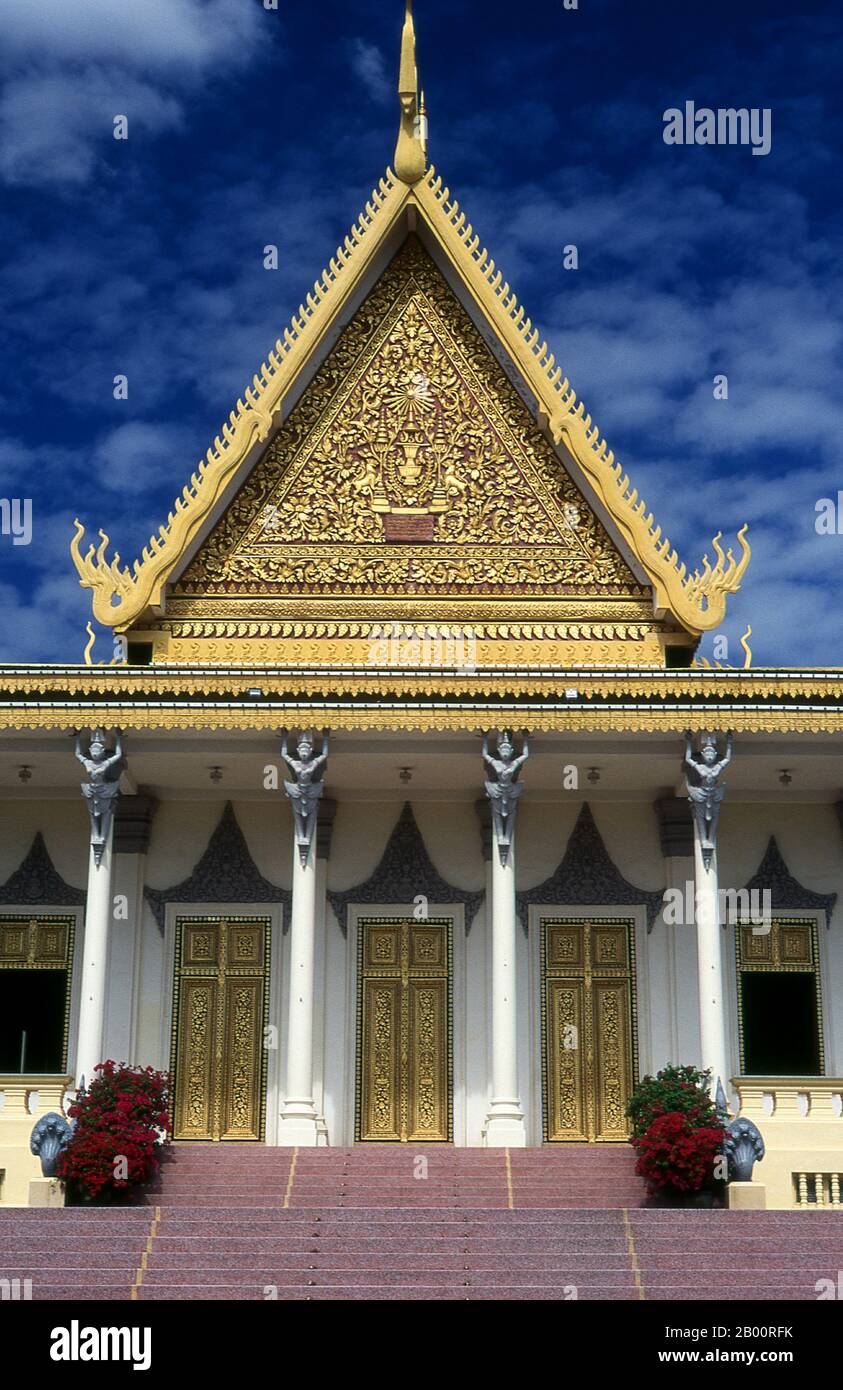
x=786 y=892
x=37 y=883
x=225 y=874
x=587 y=876
x=635 y=700
x=405 y=872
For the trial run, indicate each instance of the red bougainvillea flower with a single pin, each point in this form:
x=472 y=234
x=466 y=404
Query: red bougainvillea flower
x=675 y=1154
x=122 y=1115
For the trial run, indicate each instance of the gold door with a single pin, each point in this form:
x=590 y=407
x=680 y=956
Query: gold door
x=404 y=1031
x=219 y=1061
x=588 y=1029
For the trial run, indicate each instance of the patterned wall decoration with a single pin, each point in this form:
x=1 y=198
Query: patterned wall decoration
x=786 y=891
x=588 y=877
x=410 y=456
x=226 y=873
x=37 y=882
x=404 y=872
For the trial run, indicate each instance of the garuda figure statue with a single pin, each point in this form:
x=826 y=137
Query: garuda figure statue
x=305 y=792
x=505 y=789
x=102 y=787
x=704 y=793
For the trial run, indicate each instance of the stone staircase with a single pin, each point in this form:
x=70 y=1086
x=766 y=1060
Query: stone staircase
x=404 y=1222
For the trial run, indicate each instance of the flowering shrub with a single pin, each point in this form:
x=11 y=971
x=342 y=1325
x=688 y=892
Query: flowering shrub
x=674 y=1090
x=116 y=1143
x=676 y=1154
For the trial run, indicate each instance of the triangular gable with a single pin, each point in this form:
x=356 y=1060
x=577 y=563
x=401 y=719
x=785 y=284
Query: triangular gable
x=786 y=892
x=416 y=197
x=410 y=468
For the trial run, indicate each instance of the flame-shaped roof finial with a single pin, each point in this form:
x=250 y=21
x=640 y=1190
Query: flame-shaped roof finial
x=410 y=152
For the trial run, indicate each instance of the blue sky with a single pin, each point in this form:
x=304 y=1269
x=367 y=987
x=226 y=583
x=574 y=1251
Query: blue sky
x=250 y=126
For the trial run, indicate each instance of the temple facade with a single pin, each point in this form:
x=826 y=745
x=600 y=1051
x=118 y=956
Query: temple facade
x=408 y=812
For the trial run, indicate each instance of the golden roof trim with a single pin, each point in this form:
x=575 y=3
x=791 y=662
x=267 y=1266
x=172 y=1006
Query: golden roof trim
x=415 y=718
x=624 y=684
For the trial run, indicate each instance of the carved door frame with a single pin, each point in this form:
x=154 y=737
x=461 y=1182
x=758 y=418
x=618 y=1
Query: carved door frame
x=640 y=1001
x=74 y=917
x=365 y=912
x=820 y=971
x=273 y=913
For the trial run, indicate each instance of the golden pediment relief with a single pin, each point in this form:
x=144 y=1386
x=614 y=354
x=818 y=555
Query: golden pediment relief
x=410 y=466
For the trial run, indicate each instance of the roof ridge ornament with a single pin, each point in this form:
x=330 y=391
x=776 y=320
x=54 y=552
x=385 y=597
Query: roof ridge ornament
x=411 y=150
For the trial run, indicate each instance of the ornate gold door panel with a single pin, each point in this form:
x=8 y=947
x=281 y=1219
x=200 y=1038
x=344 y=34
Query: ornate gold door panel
x=588 y=1028
x=219 y=1018
x=404 y=1049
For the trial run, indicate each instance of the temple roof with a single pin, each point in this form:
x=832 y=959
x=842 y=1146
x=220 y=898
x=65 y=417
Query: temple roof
x=412 y=203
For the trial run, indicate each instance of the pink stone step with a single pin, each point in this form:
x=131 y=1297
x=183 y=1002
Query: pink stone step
x=14 y=1260
x=399 y=1259
x=370 y=1292
x=357 y=1224
x=387 y=1278
x=53 y=1293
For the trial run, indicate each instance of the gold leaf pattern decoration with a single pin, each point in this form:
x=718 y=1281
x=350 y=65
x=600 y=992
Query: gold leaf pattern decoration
x=382 y=1078
x=410 y=466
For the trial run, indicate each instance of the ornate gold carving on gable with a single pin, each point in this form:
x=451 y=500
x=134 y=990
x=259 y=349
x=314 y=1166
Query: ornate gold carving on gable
x=410 y=467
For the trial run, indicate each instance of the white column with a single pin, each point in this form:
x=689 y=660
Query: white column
x=95 y=963
x=299 y=1121
x=505 y=1126
x=681 y=1005
x=320 y=992
x=710 y=968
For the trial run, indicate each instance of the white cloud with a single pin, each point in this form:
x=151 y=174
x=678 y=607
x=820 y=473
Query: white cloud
x=157 y=33
x=52 y=125
x=71 y=68
x=369 y=66
x=138 y=456
x=47 y=626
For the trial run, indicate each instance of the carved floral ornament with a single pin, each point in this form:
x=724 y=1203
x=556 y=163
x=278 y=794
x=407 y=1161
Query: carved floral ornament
x=587 y=876
x=226 y=873
x=410 y=467
x=786 y=892
x=36 y=882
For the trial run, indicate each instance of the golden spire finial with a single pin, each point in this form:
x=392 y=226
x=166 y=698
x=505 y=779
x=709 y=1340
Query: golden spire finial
x=410 y=152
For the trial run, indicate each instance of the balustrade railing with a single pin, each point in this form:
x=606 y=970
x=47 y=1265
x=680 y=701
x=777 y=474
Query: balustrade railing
x=801 y=1121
